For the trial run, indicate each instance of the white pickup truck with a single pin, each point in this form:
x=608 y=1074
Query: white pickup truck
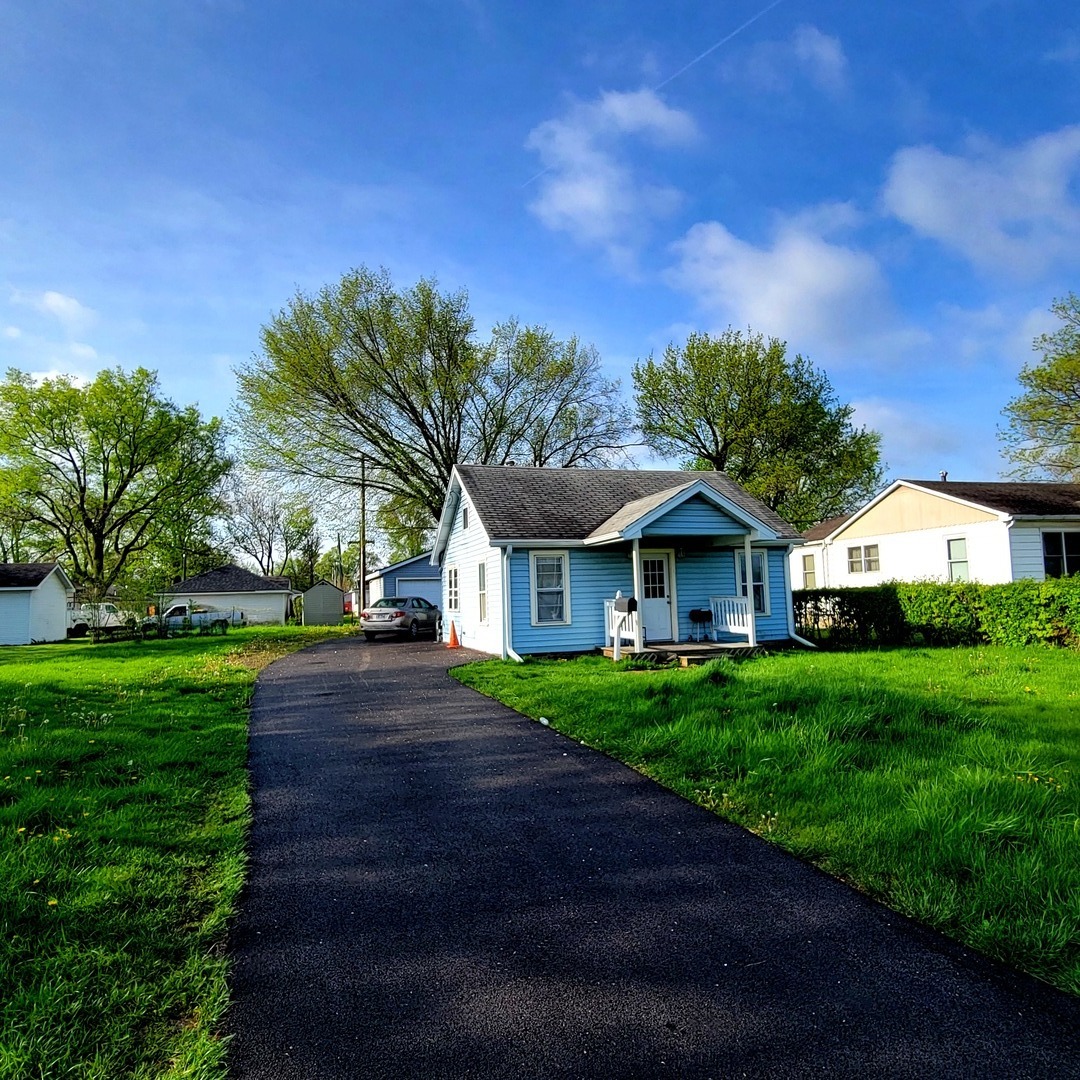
x=198 y=617
x=97 y=619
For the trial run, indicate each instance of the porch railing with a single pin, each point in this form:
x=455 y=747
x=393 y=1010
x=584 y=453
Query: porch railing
x=732 y=614
x=621 y=627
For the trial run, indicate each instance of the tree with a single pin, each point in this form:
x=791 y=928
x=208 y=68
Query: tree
x=300 y=532
x=406 y=525
x=738 y=404
x=365 y=372
x=1042 y=438
x=103 y=466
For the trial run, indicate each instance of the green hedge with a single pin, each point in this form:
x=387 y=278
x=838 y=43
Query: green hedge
x=936 y=613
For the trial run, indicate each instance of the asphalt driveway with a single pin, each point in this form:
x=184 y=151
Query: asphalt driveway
x=442 y=888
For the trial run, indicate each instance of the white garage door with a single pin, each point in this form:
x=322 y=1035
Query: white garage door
x=428 y=588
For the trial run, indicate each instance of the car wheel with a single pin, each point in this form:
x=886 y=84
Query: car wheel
x=414 y=629
x=79 y=630
x=369 y=634
x=219 y=626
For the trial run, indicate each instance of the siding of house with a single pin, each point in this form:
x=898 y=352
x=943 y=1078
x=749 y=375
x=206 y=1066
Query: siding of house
x=465 y=550
x=1026 y=545
x=48 y=610
x=15 y=617
x=919 y=555
x=695 y=517
x=907 y=510
x=419 y=576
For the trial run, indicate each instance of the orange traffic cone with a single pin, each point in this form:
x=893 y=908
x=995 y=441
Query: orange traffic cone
x=453 y=643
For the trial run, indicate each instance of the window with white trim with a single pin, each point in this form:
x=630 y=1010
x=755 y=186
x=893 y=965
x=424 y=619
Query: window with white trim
x=1061 y=553
x=958 y=560
x=809 y=573
x=453 y=600
x=481 y=590
x=760 y=579
x=549 y=587
x=863 y=559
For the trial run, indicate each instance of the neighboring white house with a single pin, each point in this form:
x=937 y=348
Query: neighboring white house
x=410 y=577
x=324 y=604
x=261 y=599
x=33 y=603
x=945 y=530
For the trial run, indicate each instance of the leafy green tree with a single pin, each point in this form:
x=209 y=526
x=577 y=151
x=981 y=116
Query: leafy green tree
x=364 y=374
x=300 y=532
x=737 y=403
x=407 y=527
x=1042 y=437
x=103 y=466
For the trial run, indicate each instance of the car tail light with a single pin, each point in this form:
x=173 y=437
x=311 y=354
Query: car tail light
x=397 y=614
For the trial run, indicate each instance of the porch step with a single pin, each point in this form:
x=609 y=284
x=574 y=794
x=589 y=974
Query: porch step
x=690 y=654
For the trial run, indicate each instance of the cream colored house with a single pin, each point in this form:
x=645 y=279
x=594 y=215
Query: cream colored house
x=943 y=530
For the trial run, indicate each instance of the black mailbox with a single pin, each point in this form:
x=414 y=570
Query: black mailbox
x=626 y=603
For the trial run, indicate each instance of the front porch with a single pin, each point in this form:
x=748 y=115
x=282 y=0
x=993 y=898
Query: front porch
x=689 y=653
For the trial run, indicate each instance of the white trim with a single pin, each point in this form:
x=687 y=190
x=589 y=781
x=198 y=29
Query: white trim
x=507 y=608
x=749 y=594
x=673 y=605
x=482 y=609
x=453 y=591
x=548 y=553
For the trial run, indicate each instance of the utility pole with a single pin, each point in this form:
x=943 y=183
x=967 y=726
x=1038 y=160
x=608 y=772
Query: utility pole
x=361 y=588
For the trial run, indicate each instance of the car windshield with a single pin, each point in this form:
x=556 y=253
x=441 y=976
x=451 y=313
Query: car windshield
x=389 y=601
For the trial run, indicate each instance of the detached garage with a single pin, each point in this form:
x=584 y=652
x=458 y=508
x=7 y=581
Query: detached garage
x=33 y=603
x=261 y=599
x=411 y=577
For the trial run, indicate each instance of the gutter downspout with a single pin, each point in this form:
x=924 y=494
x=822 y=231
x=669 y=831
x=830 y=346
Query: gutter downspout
x=790 y=606
x=507 y=628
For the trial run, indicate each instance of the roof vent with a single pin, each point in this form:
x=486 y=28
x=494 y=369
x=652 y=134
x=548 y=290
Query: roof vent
x=944 y=476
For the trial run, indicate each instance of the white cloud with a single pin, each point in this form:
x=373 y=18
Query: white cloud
x=814 y=293
x=66 y=309
x=1007 y=210
x=913 y=444
x=587 y=188
x=12 y=332
x=777 y=66
x=76 y=378
x=82 y=351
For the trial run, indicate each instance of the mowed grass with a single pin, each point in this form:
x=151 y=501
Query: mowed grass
x=123 y=817
x=943 y=782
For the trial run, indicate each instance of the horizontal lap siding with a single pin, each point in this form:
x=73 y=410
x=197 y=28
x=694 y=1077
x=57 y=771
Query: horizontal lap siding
x=595 y=576
x=466 y=549
x=695 y=517
x=48 y=610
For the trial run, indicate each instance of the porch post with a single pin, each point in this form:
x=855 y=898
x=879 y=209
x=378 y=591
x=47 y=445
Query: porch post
x=635 y=554
x=751 y=617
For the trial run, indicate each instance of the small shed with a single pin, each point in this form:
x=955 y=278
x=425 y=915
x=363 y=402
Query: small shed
x=410 y=577
x=324 y=604
x=33 y=603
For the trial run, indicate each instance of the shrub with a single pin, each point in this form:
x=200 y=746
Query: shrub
x=942 y=613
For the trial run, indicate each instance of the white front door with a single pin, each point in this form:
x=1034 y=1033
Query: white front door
x=656 y=608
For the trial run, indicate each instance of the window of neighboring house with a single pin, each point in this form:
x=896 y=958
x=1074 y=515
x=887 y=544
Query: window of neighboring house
x=760 y=580
x=452 y=599
x=481 y=590
x=464 y=517
x=809 y=574
x=863 y=559
x=548 y=574
x=1061 y=553
x=958 y=560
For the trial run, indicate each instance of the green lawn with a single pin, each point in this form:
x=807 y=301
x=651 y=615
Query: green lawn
x=944 y=782
x=123 y=818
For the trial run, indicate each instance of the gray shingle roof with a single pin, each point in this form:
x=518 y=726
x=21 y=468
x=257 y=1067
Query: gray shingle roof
x=819 y=532
x=1012 y=497
x=230 y=578
x=569 y=504
x=24 y=575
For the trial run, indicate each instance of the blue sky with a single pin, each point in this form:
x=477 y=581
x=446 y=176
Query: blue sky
x=894 y=189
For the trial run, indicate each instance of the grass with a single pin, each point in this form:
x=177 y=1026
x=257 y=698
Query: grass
x=123 y=817
x=942 y=782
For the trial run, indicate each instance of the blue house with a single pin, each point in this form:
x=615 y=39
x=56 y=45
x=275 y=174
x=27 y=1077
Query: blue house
x=534 y=560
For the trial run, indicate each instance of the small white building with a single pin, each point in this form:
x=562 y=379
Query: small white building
x=944 y=530
x=33 y=603
x=266 y=600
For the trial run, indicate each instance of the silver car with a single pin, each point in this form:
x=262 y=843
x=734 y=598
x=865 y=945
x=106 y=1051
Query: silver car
x=412 y=615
